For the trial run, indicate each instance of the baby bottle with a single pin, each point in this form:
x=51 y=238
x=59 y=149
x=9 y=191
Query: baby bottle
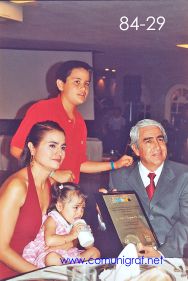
x=85 y=236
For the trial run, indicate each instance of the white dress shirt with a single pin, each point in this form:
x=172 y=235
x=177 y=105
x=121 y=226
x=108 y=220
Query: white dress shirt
x=146 y=180
x=144 y=173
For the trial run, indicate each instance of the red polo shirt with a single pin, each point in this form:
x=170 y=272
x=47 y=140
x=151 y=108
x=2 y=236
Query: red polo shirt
x=76 y=132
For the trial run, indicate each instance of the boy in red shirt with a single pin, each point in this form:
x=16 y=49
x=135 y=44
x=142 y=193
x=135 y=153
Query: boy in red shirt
x=73 y=79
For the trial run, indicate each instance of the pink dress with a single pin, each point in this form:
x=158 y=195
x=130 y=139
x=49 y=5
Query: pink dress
x=35 y=253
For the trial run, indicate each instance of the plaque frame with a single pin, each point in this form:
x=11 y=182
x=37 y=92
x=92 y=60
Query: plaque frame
x=126 y=205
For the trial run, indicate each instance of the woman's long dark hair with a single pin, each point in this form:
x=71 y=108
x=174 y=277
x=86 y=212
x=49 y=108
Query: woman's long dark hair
x=64 y=191
x=35 y=136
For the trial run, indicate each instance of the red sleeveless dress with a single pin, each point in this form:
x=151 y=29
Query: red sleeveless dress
x=27 y=226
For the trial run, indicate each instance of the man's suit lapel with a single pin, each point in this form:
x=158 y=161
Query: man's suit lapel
x=164 y=184
x=136 y=183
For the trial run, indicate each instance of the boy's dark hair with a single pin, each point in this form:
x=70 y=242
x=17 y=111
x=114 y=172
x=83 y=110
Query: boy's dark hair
x=35 y=136
x=66 y=68
x=64 y=191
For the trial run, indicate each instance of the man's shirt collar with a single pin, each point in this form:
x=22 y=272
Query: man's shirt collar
x=144 y=173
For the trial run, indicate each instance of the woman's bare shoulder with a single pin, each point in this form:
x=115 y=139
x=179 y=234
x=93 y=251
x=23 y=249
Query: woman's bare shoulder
x=16 y=183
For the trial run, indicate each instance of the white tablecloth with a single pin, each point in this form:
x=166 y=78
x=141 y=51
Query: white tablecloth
x=94 y=149
x=60 y=272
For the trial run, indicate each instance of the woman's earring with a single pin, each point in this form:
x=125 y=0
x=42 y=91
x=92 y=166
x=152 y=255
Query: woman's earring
x=31 y=160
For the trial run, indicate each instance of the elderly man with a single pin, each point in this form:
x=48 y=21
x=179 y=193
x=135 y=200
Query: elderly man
x=161 y=185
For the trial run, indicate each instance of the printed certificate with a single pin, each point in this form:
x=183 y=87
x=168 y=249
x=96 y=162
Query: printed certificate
x=123 y=211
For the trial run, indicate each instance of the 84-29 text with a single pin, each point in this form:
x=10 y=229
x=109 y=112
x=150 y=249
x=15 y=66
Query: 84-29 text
x=150 y=23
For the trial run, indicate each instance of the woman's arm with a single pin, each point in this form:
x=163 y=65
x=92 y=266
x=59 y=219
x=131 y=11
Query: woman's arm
x=12 y=197
x=62 y=176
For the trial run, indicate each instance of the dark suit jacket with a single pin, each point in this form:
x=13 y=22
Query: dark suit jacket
x=168 y=209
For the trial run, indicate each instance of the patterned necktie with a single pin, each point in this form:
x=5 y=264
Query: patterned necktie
x=151 y=187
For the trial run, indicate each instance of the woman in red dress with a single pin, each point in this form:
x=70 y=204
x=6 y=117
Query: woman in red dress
x=25 y=196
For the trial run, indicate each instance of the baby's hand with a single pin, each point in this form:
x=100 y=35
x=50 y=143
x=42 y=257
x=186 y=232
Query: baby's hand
x=76 y=229
x=124 y=161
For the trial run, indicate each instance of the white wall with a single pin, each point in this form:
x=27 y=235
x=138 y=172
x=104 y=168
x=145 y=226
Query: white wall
x=23 y=77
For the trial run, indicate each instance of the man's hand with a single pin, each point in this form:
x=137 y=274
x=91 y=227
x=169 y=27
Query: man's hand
x=63 y=176
x=124 y=161
x=103 y=190
x=147 y=251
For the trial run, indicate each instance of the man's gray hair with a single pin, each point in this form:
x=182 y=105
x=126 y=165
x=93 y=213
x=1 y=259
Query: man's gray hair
x=134 y=133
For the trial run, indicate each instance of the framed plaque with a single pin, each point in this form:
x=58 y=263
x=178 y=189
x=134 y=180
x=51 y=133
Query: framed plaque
x=123 y=214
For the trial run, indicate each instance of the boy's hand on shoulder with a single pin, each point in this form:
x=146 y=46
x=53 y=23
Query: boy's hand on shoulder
x=124 y=161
